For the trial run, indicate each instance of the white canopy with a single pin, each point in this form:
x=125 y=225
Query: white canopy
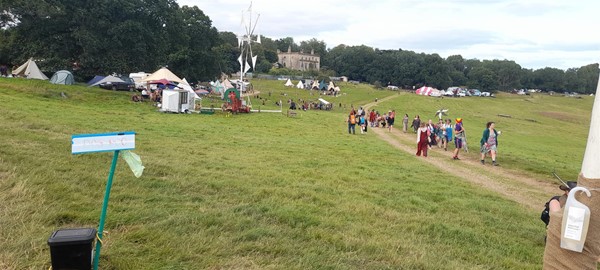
x=162 y=73
x=107 y=79
x=29 y=70
x=300 y=85
x=324 y=101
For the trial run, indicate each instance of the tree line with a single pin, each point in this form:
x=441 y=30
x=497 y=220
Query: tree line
x=122 y=36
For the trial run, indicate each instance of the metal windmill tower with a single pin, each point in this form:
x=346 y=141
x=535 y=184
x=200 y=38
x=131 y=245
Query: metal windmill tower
x=245 y=40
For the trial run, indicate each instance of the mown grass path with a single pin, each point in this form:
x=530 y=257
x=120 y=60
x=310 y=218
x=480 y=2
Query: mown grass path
x=511 y=184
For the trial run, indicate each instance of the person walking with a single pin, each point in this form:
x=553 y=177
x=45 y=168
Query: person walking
x=391 y=118
x=489 y=142
x=351 y=123
x=405 y=123
x=416 y=123
x=423 y=139
x=448 y=128
x=459 y=133
x=372 y=118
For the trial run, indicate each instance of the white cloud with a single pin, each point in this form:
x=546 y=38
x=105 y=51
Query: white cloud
x=535 y=33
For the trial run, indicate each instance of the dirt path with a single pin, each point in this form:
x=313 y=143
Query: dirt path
x=527 y=191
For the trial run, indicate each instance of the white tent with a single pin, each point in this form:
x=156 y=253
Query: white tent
x=315 y=85
x=162 y=73
x=331 y=86
x=337 y=89
x=227 y=84
x=300 y=85
x=288 y=83
x=107 y=79
x=29 y=70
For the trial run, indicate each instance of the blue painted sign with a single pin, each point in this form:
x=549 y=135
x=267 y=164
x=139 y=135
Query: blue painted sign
x=106 y=142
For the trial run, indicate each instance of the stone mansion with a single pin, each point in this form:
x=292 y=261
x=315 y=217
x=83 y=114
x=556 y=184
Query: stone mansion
x=299 y=60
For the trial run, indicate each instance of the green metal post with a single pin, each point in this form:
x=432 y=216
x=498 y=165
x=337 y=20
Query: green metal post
x=104 y=206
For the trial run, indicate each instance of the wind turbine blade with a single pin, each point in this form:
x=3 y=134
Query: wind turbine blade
x=255 y=23
x=254 y=62
x=258 y=39
x=247 y=67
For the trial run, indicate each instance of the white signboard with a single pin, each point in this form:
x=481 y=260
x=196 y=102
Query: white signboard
x=89 y=143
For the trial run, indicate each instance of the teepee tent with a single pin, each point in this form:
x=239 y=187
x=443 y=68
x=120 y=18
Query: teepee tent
x=29 y=70
x=289 y=83
x=162 y=73
x=227 y=84
x=331 y=86
x=300 y=85
x=62 y=77
x=315 y=85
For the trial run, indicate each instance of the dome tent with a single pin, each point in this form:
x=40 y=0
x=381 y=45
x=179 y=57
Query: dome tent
x=62 y=77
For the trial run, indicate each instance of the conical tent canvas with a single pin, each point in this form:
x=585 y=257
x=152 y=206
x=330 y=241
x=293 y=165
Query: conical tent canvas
x=331 y=86
x=288 y=83
x=300 y=85
x=29 y=70
x=162 y=73
x=315 y=85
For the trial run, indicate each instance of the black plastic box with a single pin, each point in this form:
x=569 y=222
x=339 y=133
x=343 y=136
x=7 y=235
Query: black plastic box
x=72 y=248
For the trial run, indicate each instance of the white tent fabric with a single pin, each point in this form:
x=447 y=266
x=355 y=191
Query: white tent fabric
x=29 y=70
x=337 y=89
x=288 y=83
x=107 y=79
x=324 y=101
x=227 y=84
x=162 y=73
x=300 y=85
x=314 y=85
x=331 y=86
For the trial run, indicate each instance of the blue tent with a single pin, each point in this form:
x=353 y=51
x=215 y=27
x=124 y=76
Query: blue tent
x=322 y=85
x=96 y=79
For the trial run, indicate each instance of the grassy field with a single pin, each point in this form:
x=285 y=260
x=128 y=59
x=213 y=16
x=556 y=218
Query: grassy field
x=263 y=191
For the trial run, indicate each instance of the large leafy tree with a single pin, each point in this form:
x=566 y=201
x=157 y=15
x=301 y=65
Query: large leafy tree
x=109 y=36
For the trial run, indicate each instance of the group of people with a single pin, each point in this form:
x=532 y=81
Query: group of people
x=428 y=134
x=442 y=133
x=373 y=119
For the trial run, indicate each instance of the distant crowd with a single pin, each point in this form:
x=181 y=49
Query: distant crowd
x=429 y=134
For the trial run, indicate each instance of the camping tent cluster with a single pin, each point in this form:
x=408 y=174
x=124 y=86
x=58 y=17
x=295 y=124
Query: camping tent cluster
x=314 y=85
x=30 y=70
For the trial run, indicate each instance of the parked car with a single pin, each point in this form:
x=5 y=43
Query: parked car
x=485 y=94
x=128 y=84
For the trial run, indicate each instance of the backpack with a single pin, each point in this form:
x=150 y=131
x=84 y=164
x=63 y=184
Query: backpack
x=545 y=216
x=352 y=119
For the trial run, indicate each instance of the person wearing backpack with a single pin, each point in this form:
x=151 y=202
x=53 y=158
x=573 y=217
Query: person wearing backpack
x=351 y=123
x=557 y=202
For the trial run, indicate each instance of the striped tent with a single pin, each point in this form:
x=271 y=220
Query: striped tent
x=425 y=91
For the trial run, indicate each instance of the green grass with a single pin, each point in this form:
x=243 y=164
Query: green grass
x=263 y=191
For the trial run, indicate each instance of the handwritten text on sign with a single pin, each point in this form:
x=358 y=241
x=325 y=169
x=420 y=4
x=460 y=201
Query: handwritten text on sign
x=87 y=143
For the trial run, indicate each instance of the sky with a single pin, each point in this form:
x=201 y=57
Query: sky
x=535 y=34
